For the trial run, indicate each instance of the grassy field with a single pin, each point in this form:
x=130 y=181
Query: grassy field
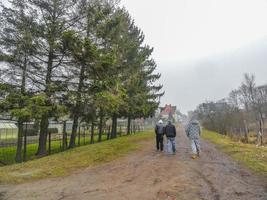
x=7 y=154
x=248 y=154
x=64 y=163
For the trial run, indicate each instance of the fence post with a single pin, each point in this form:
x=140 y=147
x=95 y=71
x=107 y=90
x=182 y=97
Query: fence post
x=25 y=144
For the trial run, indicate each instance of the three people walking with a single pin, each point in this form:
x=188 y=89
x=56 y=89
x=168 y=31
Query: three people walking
x=193 y=132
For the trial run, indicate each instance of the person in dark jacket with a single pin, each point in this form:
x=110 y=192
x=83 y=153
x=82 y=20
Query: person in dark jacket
x=170 y=132
x=159 y=130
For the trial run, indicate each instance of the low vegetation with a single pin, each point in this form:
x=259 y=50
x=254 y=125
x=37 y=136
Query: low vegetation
x=66 y=162
x=248 y=154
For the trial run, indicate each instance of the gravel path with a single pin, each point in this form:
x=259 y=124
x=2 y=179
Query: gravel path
x=150 y=175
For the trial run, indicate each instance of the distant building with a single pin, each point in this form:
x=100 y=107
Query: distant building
x=168 y=113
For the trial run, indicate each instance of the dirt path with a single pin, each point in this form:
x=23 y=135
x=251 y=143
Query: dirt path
x=149 y=175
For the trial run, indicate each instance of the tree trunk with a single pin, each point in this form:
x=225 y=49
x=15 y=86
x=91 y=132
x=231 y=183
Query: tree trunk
x=25 y=144
x=18 y=157
x=114 y=127
x=129 y=126
x=43 y=136
x=74 y=131
x=92 y=133
x=100 y=128
x=64 y=142
x=77 y=107
x=44 y=121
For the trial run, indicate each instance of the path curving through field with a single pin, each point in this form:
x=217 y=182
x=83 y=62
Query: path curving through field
x=150 y=175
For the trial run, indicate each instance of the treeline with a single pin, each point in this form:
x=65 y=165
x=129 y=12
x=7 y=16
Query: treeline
x=83 y=60
x=243 y=110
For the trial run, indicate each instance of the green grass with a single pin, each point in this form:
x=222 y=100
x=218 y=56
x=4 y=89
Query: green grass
x=7 y=154
x=65 y=163
x=248 y=154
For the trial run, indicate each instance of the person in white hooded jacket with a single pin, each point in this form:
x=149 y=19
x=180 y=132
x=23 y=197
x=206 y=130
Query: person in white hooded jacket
x=159 y=131
x=193 y=132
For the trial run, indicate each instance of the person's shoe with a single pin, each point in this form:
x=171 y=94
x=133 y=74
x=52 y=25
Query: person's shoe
x=198 y=154
x=194 y=157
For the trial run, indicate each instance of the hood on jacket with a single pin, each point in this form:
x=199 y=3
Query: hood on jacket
x=194 y=122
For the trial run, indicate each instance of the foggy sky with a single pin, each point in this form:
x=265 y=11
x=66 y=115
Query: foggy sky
x=188 y=84
x=203 y=48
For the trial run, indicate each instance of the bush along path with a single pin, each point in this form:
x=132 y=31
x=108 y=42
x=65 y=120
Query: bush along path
x=147 y=174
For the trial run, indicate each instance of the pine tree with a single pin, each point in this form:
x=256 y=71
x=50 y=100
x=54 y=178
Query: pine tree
x=18 y=44
x=84 y=54
x=54 y=18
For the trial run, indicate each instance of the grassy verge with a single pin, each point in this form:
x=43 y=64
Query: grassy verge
x=64 y=163
x=248 y=154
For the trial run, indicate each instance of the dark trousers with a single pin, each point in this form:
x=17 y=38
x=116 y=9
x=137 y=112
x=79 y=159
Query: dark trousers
x=159 y=142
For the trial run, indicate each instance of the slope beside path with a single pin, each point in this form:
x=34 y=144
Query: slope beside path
x=150 y=175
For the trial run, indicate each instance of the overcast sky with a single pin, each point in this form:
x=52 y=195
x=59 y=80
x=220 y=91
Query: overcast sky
x=203 y=48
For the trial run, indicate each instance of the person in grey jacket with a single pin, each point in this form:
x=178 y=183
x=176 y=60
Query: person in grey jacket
x=193 y=132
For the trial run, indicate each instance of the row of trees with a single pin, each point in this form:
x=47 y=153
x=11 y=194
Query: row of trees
x=244 y=109
x=84 y=59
